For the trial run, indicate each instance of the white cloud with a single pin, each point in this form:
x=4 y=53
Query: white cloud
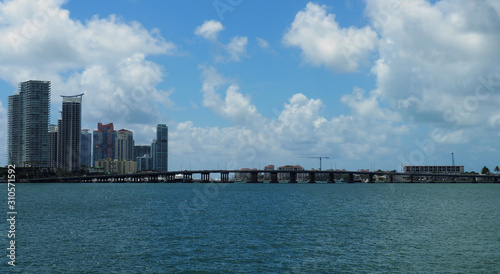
x=237 y=48
x=235 y=106
x=106 y=58
x=433 y=57
x=300 y=129
x=368 y=107
x=449 y=136
x=209 y=30
x=324 y=43
x=437 y=67
x=263 y=44
x=234 y=51
x=300 y=117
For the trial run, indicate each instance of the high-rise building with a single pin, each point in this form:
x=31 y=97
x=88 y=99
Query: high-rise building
x=68 y=131
x=161 y=148
x=143 y=158
x=124 y=145
x=144 y=163
x=141 y=150
x=85 y=148
x=53 y=146
x=28 y=123
x=153 y=155
x=104 y=139
x=16 y=151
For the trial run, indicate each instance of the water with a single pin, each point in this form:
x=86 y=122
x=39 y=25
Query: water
x=280 y=228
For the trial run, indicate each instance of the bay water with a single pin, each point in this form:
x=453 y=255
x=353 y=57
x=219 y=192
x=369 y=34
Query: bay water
x=254 y=228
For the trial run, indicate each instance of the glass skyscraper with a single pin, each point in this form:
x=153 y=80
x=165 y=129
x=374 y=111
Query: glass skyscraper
x=53 y=146
x=141 y=150
x=161 y=149
x=104 y=139
x=153 y=155
x=28 y=125
x=85 y=148
x=68 y=149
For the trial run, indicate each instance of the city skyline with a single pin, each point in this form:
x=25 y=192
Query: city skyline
x=370 y=84
x=34 y=142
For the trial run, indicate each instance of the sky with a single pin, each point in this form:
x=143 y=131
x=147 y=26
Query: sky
x=372 y=84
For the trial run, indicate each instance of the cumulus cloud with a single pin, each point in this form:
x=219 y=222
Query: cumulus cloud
x=209 y=30
x=237 y=48
x=436 y=66
x=449 y=136
x=300 y=128
x=105 y=58
x=368 y=107
x=433 y=59
x=324 y=43
x=234 y=106
x=300 y=117
x=233 y=51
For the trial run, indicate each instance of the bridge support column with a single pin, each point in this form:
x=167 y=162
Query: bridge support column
x=391 y=178
x=331 y=178
x=312 y=178
x=170 y=178
x=224 y=177
x=254 y=178
x=370 y=178
x=293 y=177
x=274 y=178
x=351 y=178
x=412 y=179
x=205 y=177
x=187 y=177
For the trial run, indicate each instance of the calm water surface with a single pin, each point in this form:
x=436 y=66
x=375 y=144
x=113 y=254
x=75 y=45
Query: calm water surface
x=280 y=228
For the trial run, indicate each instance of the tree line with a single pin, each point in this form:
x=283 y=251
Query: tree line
x=486 y=170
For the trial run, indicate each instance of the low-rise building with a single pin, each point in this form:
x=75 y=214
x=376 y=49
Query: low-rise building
x=434 y=169
x=242 y=176
x=117 y=167
x=267 y=175
x=286 y=175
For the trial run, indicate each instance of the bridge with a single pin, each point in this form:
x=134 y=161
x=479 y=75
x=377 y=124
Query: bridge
x=274 y=176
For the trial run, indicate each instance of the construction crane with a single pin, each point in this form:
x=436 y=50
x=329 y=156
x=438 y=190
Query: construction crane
x=318 y=157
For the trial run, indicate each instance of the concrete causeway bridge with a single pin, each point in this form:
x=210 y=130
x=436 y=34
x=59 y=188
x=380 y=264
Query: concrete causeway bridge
x=274 y=176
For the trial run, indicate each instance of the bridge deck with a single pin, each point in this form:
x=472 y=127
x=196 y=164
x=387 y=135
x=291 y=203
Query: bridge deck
x=275 y=176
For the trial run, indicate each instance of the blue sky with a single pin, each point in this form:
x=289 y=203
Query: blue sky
x=370 y=84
